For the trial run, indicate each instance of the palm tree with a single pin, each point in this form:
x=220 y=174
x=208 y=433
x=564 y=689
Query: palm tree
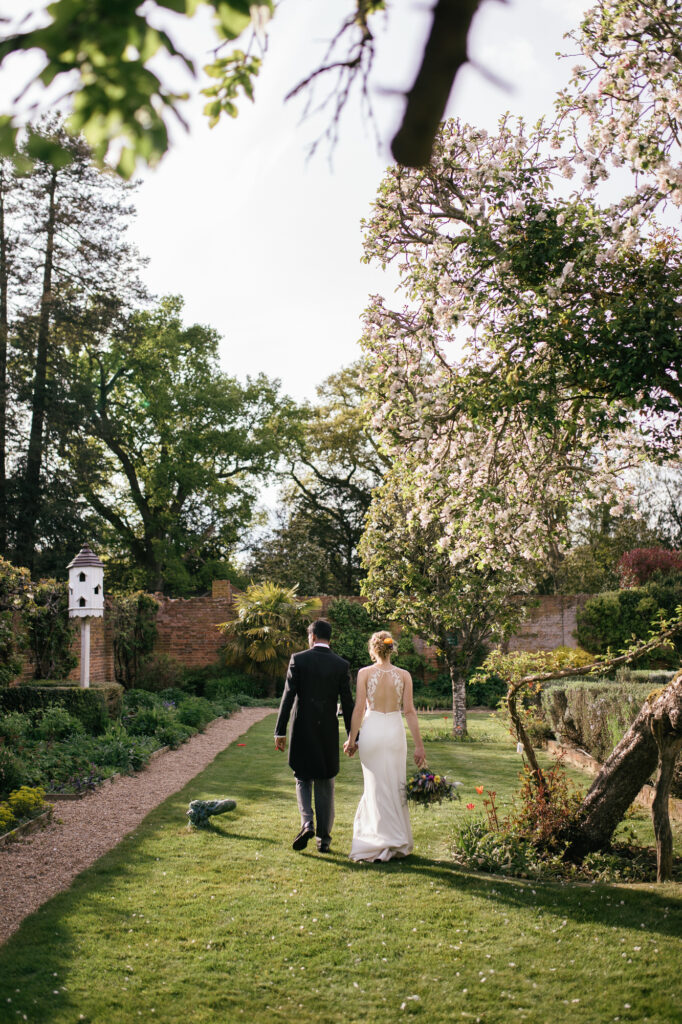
x=270 y=625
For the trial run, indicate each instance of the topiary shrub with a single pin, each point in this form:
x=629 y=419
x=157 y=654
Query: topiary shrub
x=595 y=715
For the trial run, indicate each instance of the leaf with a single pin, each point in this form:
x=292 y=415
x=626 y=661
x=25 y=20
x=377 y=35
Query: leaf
x=233 y=17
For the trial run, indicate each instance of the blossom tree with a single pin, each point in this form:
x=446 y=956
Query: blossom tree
x=624 y=103
x=494 y=436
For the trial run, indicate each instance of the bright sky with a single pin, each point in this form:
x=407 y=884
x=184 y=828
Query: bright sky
x=265 y=245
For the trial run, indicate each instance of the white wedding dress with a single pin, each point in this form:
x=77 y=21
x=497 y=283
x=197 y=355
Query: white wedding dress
x=382 y=829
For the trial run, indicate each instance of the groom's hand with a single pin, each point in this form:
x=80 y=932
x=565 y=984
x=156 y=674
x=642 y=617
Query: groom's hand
x=280 y=742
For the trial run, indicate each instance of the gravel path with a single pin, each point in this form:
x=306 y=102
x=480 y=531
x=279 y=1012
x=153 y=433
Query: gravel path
x=37 y=867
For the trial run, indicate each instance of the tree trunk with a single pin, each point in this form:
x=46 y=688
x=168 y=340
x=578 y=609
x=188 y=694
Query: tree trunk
x=459 y=701
x=34 y=458
x=624 y=773
x=666 y=727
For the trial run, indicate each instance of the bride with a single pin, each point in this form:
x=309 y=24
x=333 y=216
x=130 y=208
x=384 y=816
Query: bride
x=382 y=822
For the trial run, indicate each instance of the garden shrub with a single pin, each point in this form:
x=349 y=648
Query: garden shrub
x=159 y=672
x=49 y=630
x=230 y=685
x=15 y=727
x=593 y=714
x=133 y=617
x=133 y=700
x=12 y=771
x=174 y=734
x=27 y=801
x=85 y=703
x=172 y=695
x=195 y=711
x=14 y=587
x=352 y=626
x=55 y=723
x=7 y=819
x=147 y=721
x=485 y=692
x=612 y=619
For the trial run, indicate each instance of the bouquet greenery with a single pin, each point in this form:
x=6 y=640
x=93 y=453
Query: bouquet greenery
x=426 y=787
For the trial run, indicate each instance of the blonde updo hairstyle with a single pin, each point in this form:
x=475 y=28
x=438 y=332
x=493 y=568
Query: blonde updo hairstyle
x=381 y=646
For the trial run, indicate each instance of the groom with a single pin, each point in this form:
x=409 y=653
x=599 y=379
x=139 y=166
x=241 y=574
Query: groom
x=316 y=680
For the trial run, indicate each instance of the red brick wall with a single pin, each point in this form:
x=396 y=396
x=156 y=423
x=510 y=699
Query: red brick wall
x=187 y=630
x=551 y=624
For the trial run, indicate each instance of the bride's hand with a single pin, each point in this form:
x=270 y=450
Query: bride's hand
x=420 y=756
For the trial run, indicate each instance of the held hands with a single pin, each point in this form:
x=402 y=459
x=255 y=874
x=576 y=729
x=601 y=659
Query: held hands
x=350 y=748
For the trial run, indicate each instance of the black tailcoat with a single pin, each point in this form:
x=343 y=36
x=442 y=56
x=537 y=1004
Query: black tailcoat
x=316 y=680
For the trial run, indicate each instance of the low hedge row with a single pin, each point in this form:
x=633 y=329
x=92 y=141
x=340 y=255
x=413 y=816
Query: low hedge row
x=94 y=706
x=595 y=714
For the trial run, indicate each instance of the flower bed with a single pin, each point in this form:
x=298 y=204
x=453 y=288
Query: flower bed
x=22 y=808
x=51 y=748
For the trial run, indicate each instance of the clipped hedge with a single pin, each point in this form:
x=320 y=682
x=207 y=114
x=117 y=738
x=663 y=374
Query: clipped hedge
x=93 y=705
x=593 y=714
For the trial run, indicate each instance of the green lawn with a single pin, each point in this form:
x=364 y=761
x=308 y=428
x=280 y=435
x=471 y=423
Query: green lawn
x=232 y=924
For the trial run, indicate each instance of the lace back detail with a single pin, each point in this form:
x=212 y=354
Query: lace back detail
x=385 y=690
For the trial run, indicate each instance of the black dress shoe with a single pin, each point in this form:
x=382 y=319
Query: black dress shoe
x=323 y=848
x=301 y=840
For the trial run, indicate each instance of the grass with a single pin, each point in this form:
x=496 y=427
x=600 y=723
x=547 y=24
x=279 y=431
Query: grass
x=231 y=924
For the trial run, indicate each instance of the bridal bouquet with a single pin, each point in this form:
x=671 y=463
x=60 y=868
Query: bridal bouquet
x=426 y=787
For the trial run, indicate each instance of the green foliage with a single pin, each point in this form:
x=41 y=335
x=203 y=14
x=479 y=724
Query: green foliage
x=12 y=771
x=55 y=723
x=49 y=630
x=352 y=626
x=14 y=585
x=611 y=620
x=591 y=714
x=27 y=802
x=271 y=624
x=160 y=672
x=106 y=58
x=14 y=727
x=133 y=618
x=171 y=451
x=235 y=683
x=195 y=712
x=7 y=819
x=86 y=704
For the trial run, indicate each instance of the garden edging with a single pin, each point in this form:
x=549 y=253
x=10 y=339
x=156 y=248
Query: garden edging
x=580 y=759
x=26 y=827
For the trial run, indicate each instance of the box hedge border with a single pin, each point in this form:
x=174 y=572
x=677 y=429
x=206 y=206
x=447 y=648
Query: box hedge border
x=93 y=705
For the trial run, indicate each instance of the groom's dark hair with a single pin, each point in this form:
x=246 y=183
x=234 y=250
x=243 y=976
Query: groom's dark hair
x=321 y=629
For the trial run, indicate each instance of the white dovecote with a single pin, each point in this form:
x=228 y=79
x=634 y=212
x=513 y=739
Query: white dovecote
x=86 y=599
x=86 y=585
